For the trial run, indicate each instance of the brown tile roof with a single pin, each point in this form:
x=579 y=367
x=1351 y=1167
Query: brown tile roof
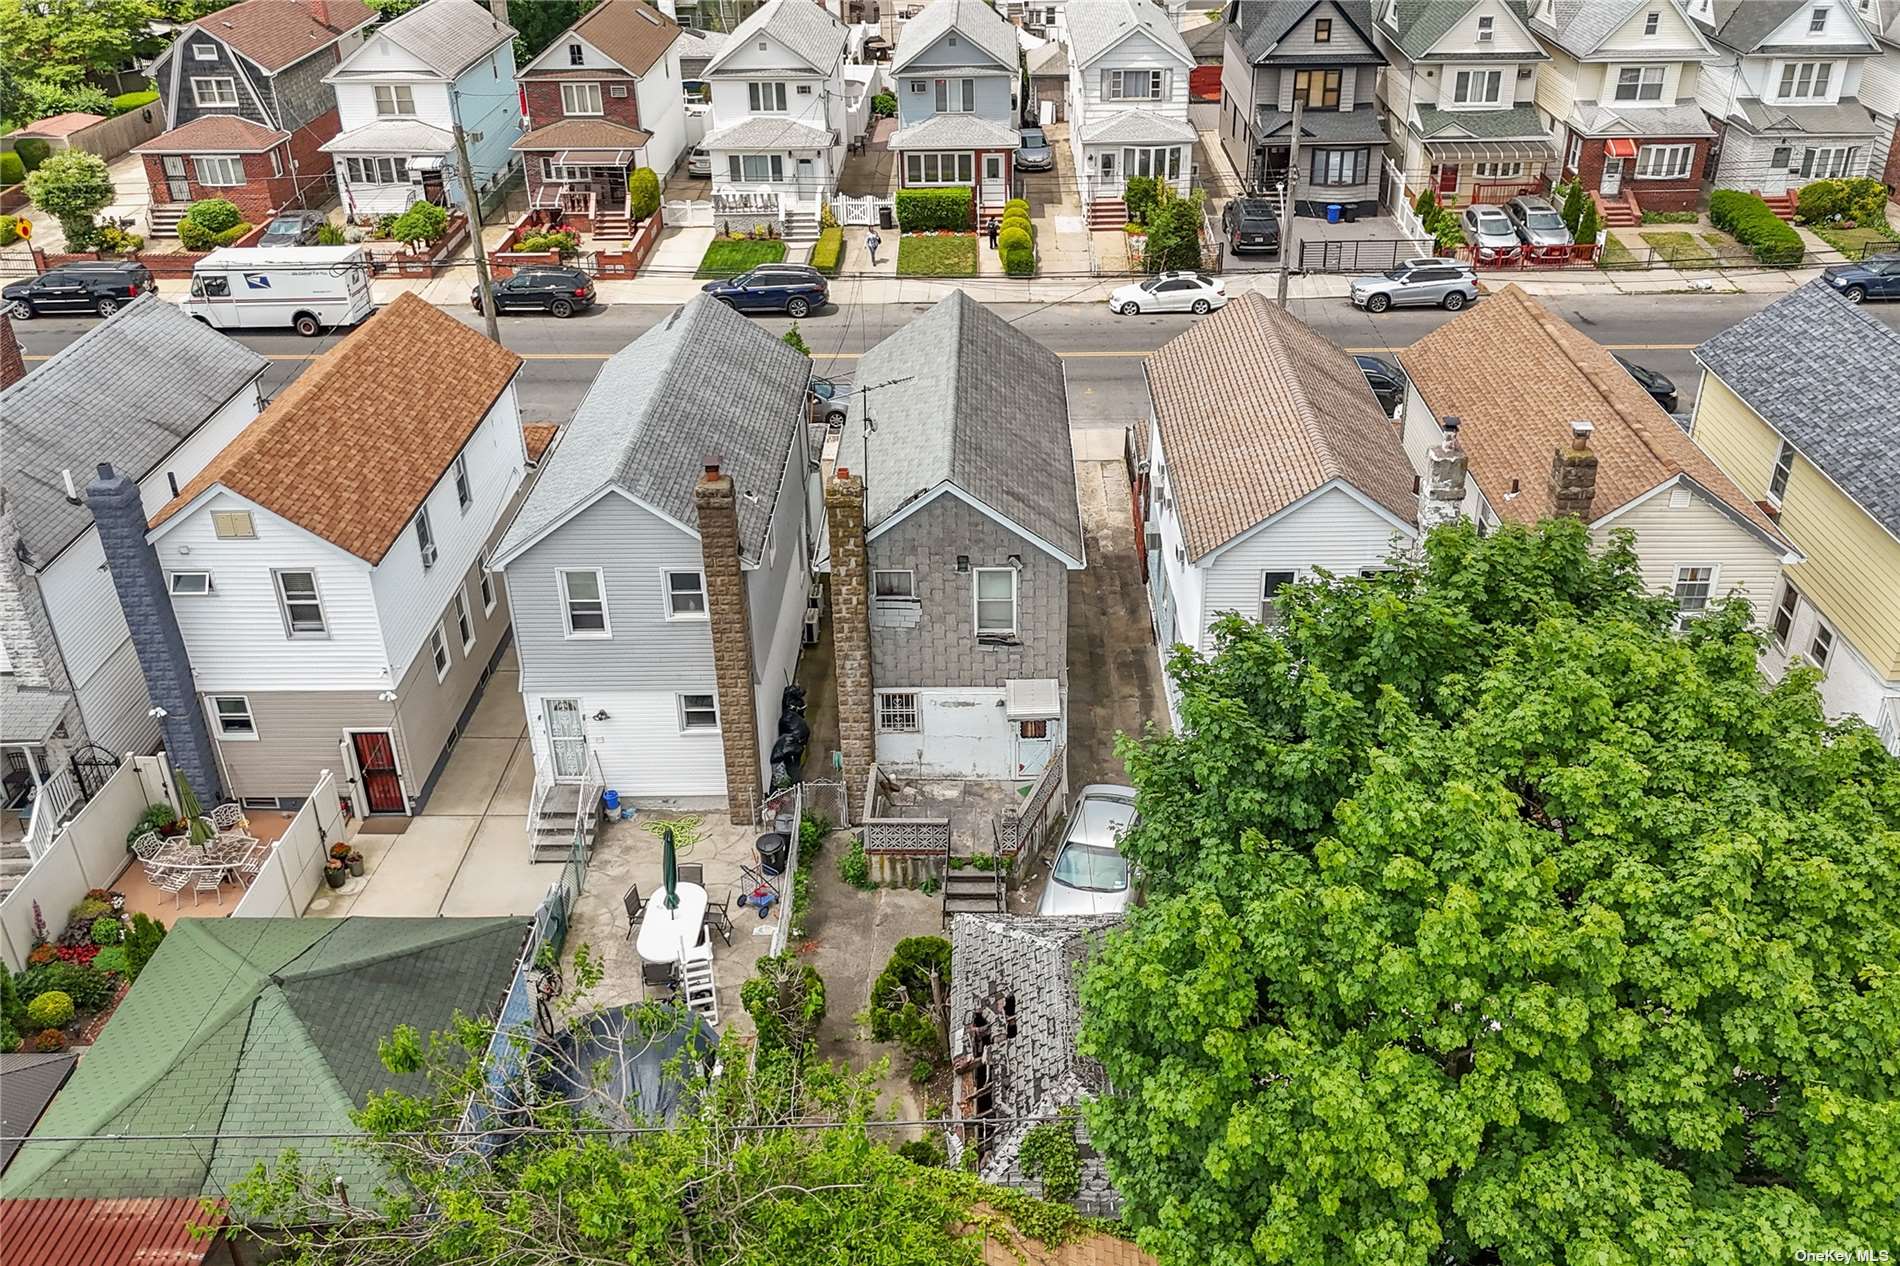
x=214 y=133
x=60 y=124
x=280 y=33
x=350 y=449
x=1517 y=374
x=633 y=33
x=1256 y=411
x=536 y=437
x=583 y=134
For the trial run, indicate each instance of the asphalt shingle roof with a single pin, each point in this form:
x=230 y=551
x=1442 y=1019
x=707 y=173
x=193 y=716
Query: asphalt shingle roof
x=1364 y=126
x=1518 y=122
x=1264 y=23
x=279 y=33
x=804 y=29
x=127 y=391
x=209 y=132
x=704 y=382
x=29 y=714
x=1846 y=117
x=1419 y=24
x=1826 y=375
x=1137 y=127
x=635 y=34
x=28 y=1083
x=393 y=136
x=447 y=36
x=973 y=20
x=765 y=132
x=956 y=131
x=975 y=403
x=1095 y=26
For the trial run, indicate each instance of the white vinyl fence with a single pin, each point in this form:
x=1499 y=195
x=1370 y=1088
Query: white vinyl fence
x=290 y=876
x=858 y=210
x=684 y=215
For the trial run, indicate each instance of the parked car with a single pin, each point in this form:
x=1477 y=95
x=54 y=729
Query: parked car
x=699 y=162
x=1660 y=389
x=1090 y=875
x=794 y=289
x=1417 y=282
x=1170 y=292
x=1252 y=227
x=1490 y=230
x=1877 y=278
x=560 y=292
x=298 y=228
x=1538 y=224
x=1386 y=380
x=1034 y=153
x=101 y=286
x=828 y=401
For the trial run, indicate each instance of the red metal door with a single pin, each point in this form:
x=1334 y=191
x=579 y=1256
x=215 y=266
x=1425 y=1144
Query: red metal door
x=1448 y=178
x=382 y=784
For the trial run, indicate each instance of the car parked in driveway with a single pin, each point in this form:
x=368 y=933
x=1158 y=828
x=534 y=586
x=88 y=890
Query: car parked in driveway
x=794 y=289
x=1877 y=278
x=1386 y=380
x=1090 y=875
x=1034 y=153
x=1252 y=227
x=1444 y=283
x=102 y=286
x=560 y=292
x=828 y=401
x=1170 y=292
x=699 y=162
x=1490 y=233
x=294 y=228
x=1538 y=225
x=1660 y=389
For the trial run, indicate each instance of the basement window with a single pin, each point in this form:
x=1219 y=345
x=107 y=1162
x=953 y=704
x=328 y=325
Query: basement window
x=897 y=712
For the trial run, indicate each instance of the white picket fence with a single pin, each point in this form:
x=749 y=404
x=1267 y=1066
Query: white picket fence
x=682 y=214
x=859 y=211
x=292 y=873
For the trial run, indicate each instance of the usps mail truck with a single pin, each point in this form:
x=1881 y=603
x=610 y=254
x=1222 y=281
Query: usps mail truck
x=311 y=289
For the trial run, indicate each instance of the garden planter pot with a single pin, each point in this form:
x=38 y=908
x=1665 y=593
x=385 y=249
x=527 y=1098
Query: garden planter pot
x=333 y=875
x=356 y=864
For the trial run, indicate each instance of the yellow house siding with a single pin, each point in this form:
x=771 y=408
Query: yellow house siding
x=1557 y=84
x=1697 y=534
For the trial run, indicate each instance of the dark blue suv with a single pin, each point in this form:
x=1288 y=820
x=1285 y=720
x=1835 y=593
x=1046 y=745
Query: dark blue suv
x=1877 y=278
x=793 y=289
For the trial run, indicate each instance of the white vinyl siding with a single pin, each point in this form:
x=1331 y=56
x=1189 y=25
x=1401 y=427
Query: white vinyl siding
x=1669 y=538
x=641 y=749
x=231 y=717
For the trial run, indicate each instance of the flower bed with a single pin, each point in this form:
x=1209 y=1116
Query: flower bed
x=73 y=982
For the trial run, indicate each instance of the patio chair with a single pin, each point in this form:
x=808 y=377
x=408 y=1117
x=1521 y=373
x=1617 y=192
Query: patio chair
x=172 y=881
x=718 y=918
x=229 y=816
x=692 y=873
x=207 y=880
x=658 y=976
x=148 y=846
x=634 y=907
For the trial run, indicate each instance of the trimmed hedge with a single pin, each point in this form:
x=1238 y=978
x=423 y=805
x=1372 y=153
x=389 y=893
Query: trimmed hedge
x=194 y=236
x=1020 y=220
x=1011 y=239
x=12 y=170
x=827 y=255
x=1020 y=261
x=32 y=152
x=1746 y=218
x=9 y=229
x=133 y=100
x=926 y=210
x=643 y=192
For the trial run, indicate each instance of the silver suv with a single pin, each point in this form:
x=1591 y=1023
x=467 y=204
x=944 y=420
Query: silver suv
x=1538 y=223
x=1417 y=283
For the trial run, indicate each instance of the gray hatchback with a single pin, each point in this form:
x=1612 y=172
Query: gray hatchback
x=1444 y=283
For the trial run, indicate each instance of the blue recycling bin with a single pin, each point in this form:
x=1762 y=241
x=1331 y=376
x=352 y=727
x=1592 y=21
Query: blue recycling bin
x=611 y=799
x=1332 y=213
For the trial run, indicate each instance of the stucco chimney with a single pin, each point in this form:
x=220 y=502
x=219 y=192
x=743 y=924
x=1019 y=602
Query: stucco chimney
x=1442 y=491
x=730 y=616
x=1573 y=474
x=140 y=583
x=12 y=364
x=851 y=631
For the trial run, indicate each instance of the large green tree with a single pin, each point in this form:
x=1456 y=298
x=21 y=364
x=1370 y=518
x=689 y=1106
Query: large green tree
x=1492 y=920
x=62 y=39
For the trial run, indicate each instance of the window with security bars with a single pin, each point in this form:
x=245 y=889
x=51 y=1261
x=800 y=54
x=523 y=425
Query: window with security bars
x=897 y=712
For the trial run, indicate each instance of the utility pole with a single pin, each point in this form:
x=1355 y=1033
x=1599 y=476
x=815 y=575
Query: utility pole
x=474 y=217
x=1287 y=214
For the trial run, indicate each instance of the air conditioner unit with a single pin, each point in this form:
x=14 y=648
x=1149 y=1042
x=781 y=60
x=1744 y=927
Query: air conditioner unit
x=1151 y=539
x=428 y=555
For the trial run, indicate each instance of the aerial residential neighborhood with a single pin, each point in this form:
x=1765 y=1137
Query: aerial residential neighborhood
x=942 y=631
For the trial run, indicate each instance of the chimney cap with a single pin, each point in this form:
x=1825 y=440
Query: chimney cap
x=1451 y=423
x=1580 y=431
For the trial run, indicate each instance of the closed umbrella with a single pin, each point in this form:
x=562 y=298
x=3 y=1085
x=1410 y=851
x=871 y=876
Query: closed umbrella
x=669 y=870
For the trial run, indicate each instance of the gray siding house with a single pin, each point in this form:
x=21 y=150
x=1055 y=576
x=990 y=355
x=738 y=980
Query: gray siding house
x=955 y=72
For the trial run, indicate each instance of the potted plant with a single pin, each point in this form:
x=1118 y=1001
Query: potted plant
x=340 y=851
x=334 y=873
x=355 y=860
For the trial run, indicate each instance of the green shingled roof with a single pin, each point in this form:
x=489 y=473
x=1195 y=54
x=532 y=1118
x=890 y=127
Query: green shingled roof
x=256 y=1026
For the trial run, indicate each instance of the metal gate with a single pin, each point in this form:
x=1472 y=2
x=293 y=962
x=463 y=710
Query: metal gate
x=93 y=766
x=1374 y=255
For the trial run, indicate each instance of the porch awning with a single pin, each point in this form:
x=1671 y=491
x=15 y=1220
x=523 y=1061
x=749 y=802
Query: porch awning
x=1529 y=151
x=1620 y=147
x=1035 y=699
x=593 y=157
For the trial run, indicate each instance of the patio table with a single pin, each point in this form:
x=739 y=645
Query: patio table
x=666 y=936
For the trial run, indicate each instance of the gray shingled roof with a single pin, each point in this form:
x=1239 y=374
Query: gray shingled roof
x=447 y=36
x=805 y=29
x=28 y=714
x=1744 y=24
x=1096 y=26
x=982 y=406
x=127 y=391
x=394 y=136
x=704 y=382
x=1489 y=125
x=1846 y=117
x=763 y=131
x=1608 y=118
x=28 y=1083
x=1364 y=126
x=1826 y=375
x=1137 y=127
x=1580 y=26
x=701 y=46
x=956 y=131
x=974 y=20
x=1264 y=23
x=1422 y=23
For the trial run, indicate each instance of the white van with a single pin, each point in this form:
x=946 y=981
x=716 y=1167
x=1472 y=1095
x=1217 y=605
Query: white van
x=312 y=289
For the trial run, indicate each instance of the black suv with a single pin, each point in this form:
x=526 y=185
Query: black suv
x=103 y=286
x=560 y=291
x=1252 y=227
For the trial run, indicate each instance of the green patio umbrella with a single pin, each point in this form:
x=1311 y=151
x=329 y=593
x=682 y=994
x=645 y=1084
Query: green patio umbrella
x=669 y=870
x=191 y=811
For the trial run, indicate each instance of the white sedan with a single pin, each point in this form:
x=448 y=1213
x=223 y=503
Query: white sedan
x=1090 y=875
x=1170 y=292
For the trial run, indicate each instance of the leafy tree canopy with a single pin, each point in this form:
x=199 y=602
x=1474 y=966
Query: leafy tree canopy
x=1492 y=921
x=63 y=40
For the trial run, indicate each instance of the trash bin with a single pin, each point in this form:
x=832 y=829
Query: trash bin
x=772 y=848
x=611 y=800
x=1332 y=213
x=1351 y=213
x=885 y=219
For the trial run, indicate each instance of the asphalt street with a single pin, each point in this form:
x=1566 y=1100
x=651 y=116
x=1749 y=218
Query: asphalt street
x=1101 y=352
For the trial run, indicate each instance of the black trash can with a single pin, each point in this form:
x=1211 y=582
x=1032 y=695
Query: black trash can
x=772 y=848
x=886 y=219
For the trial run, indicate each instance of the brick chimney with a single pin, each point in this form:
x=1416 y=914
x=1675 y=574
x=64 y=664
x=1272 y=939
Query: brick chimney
x=851 y=631
x=1573 y=474
x=1443 y=490
x=12 y=364
x=729 y=612
x=320 y=12
x=160 y=646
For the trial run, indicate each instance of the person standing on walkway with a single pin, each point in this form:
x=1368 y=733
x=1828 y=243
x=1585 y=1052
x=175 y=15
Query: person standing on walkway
x=994 y=227
x=873 y=241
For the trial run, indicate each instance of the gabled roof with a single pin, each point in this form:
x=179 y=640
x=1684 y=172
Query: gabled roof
x=1418 y=25
x=57 y=126
x=972 y=404
x=1257 y=410
x=1519 y=375
x=275 y=34
x=447 y=36
x=349 y=451
x=1746 y=25
x=221 y=133
x=258 y=1027
x=1262 y=24
x=804 y=29
x=1051 y=58
x=703 y=384
x=1579 y=27
x=700 y=45
x=1096 y=26
x=29 y=714
x=633 y=33
x=973 y=20
x=1826 y=375
x=129 y=391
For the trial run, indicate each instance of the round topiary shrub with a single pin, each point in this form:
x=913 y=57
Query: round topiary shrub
x=107 y=930
x=1021 y=225
x=214 y=215
x=1012 y=238
x=50 y=1010
x=46 y=1041
x=1016 y=204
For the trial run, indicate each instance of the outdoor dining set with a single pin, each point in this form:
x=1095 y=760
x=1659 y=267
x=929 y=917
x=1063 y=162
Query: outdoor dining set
x=675 y=927
x=229 y=853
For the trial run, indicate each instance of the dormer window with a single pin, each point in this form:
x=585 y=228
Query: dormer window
x=1486 y=28
x=1323 y=31
x=1652 y=23
x=576 y=55
x=1817 y=21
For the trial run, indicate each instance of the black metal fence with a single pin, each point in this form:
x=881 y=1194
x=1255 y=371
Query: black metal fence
x=1371 y=255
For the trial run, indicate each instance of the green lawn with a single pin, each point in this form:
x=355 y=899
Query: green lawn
x=728 y=258
x=932 y=256
x=1854 y=242
x=1681 y=250
x=1615 y=254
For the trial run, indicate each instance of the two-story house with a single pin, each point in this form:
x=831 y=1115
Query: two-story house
x=659 y=569
x=1619 y=96
x=248 y=107
x=1322 y=55
x=400 y=96
x=602 y=99
x=157 y=394
x=1458 y=90
x=956 y=70
x=1880 y=87
x=1783 y=92
x=953 y=526
x=1798 y=404
x=780 y=117
x=324 y=569
x=1268 y=458
x=1128 y=102
x=1551 y=424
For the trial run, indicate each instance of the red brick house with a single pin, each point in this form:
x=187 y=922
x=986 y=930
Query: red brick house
x=247 y=107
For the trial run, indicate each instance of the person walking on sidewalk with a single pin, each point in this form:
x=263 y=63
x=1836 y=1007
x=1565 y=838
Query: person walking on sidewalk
x=994 y=227
x=873 y=241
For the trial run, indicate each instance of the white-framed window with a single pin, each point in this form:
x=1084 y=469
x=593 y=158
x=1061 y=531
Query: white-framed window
x=395 y=99
x=1640 y=83
x=1575 y=155
x=381 y=169
x=1778 y=477
x=213 y=92
x=300 y=603
x=1664 y=162
x=276 y=162
x=584 y=603
x=956 y=96
x=464 y=622
x=233 y=525
x=1339 y=166
x=1271 y=582
x=698 y=712
x=893 y=588
x=425 y=538
x=576 y=55
x=897 y=712
x=190 y=584
x=487 y=582
x=939 y=169
x=1785 y=608
x=1477 y=87
x=1817 y=20
x=231 y=714
x=1498 y=171
x=1151 y=160
x=219 y=170
x=1133 y=85
x=464 y=495
x=1652 y=23
x=580 y=99
x=205 y=52
x=1821 y=645
x=1694 y=584
x=439 y=652
x=755 y=168
x=995 y=601
x=1805 y=81
x=619 y=91
x=1829 y=162
x=1487 y=29
x=685 y=595
x=765 y=98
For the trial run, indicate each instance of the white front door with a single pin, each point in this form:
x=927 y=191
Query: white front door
x=807 y=181
x=567 y=738
x=1035 y=740
x=1612 y=183
x=992 y=179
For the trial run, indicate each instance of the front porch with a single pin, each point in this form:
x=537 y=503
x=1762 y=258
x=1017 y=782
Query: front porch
x=1481 y=170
